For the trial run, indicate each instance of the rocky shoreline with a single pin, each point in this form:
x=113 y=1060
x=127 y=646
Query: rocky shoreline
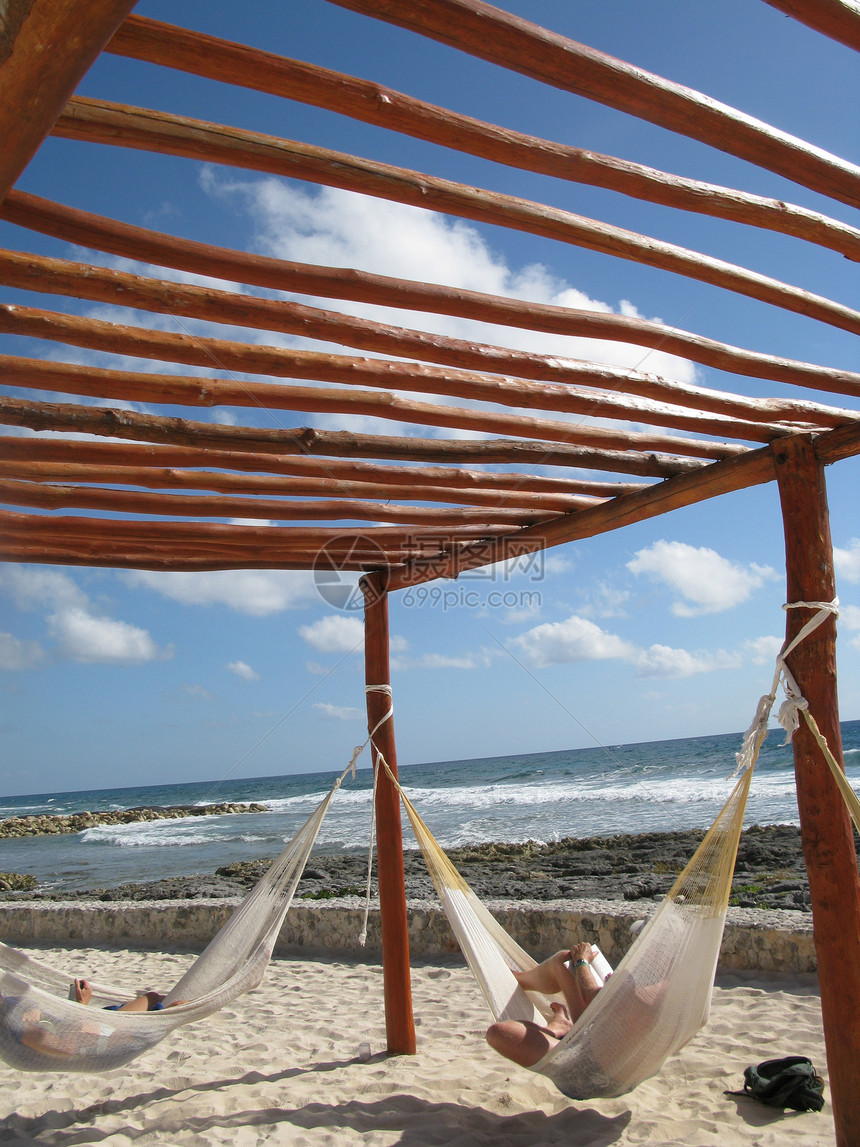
x=44 y=824
x=770 y=872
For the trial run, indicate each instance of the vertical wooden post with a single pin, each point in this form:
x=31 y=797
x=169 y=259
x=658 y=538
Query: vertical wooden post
x=828 y=841
x=397 y=983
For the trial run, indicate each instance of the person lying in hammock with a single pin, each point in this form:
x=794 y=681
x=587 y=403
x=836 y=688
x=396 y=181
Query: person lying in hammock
x=525 y=1042
x=146 y=1002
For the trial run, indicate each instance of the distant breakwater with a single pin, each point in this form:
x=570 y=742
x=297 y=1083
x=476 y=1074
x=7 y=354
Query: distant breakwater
x=44 y=824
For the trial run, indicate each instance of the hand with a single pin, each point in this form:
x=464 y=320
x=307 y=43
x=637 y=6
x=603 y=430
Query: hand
x=582 y=951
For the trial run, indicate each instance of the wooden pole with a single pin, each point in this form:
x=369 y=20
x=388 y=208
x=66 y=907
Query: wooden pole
x=399 y=1023
x=828 y=842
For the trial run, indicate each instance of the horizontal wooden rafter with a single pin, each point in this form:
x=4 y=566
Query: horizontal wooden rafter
x=168 y=45
x=101 y=284
x=50 y=496
x=839 y=19
x=224 y=355
x=465 y=483
x=116 y=423
x=128 y=241
x=270 y=485
x=515 y=43
x=97 y=121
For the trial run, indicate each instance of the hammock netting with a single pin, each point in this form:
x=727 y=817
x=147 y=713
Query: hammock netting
x=42 y=1030
x=657 y=998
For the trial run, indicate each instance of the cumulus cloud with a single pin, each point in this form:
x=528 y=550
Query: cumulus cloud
x=337 y=712
x=335 y=633
x=847 y=561
x=243 y=670
x=343 y=229
x=576 y=639
x=82 y=632
x=18 y=654
x=705 y=581
x=663 y=661
x=849 y=619
x=763 y=650
x=255 y=592
x=83 y=637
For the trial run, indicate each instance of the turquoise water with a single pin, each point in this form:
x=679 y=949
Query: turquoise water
x=655 y=786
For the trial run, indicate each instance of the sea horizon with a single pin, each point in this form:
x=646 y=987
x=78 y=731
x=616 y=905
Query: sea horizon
x=646 y=786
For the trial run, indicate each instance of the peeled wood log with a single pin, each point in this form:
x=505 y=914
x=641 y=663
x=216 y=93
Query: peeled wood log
x=125 y=474
x=102 y=284
x=241 y=357
x=135 y=559
x=36 y=80
x=189 y=51
x=507 y=40
x=74 y=419
x=272 y=537
x=95 y=121
x=753 y=469
x=433 y=480
x=343 y=283
x=835 y=18
x=50 y=496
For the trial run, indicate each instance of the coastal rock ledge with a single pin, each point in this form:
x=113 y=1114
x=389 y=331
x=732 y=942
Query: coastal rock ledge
x=44 y=824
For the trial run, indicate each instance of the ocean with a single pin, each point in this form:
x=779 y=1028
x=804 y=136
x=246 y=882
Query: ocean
x=654 y=786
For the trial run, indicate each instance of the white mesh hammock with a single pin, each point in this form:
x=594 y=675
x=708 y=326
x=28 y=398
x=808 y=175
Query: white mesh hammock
x=42 y=1030
x=659 y=995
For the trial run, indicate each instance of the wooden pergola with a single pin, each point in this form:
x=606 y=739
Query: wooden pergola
x=100 y=485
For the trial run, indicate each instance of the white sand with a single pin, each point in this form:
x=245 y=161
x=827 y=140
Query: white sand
x=281 y=1066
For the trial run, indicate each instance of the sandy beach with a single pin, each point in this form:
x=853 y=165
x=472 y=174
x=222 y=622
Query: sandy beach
x=281 y=1065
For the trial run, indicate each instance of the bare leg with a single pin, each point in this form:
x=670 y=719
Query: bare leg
x=579 y=985
x=527 y=1043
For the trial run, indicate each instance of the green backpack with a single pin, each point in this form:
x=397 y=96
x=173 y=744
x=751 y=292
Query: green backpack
x=788 y=1082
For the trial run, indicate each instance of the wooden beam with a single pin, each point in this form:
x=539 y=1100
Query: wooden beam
x=46 y=47
x=825 y=825
x=432 y=480
x=399 y=1022
x=307 y=441
x=25 y=469
x=243 y=358
x=838 y=19
x=507 y=40
x=555 y=382
x=365 y=100
x=752 y=469
x=147 y=246
x=50 y=496
x=98 y=121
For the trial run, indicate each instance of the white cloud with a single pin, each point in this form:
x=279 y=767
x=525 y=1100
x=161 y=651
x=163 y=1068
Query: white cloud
x=849 y=618
x=576 y=639
x=255 y=592
x=763 y=650
x=847 y=561
x=88 y=639
x=334 y=634
x=338 y=712
x=707 y=582
x=17 y=654
x=663 y=661
x=81 y=633
x=197 y=692
x=35 y=587
x=343 y=229
x=243 y=670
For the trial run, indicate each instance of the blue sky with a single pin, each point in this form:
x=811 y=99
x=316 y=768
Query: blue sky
x=665 y=629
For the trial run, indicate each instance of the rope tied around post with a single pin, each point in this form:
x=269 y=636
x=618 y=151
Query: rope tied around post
x=795 y=702
x=375 y=761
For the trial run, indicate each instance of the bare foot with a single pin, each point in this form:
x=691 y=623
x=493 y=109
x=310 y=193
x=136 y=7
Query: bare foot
x=83 y=991
x=561 y=1023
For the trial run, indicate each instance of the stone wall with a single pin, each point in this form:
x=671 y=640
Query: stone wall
x=753 y=939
